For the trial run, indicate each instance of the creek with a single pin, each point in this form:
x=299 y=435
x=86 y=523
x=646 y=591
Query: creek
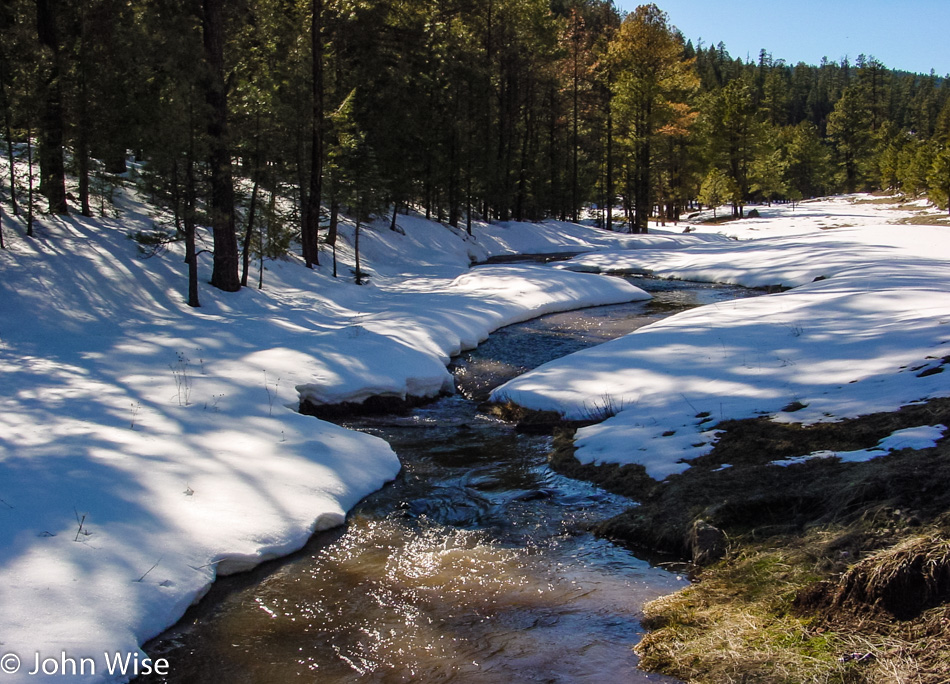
x=476 y=565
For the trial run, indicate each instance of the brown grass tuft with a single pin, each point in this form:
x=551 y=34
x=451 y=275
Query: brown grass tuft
x=904 y=580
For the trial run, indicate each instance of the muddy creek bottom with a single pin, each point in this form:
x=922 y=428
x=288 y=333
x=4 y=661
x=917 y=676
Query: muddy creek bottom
x=475 y=565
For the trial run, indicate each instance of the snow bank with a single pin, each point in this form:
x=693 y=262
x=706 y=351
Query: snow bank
x=922 y=437
x=403 y=346
x=852 y=342
x=146 y=447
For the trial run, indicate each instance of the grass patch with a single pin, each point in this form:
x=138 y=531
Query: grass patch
x=925 y=220
x=902 y=580
x=838 y=225
x=726 y=218
x=833 y=572
x=888 y=199
x=741 y=623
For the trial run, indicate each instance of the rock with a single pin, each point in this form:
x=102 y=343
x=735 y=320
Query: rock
x=706 y=543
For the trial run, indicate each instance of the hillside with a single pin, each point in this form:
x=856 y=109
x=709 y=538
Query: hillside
x=147 y=447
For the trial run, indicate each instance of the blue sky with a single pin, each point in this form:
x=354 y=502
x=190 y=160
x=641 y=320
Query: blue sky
x=909 y=35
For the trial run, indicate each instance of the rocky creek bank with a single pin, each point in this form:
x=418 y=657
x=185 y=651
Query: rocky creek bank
x=821 y=571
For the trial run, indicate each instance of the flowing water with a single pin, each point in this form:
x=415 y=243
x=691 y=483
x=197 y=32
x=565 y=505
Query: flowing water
x=475 y=565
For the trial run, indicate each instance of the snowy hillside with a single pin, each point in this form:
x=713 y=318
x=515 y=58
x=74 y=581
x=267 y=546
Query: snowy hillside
x=866 y=328
x=146 y=447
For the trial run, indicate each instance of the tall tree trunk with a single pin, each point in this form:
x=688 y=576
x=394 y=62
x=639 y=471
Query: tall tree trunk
x=82 y=151
x=84 y=126
x=468 y=193
x=455 y=205
x=4 y=95
x=52 y=161
x=332 y=230
x=356 y=242
x=256 y=174
x=609 y=184
x=488 y=180
x=29 y=178
x=221 y=208
x=522 y=195
x=175 y=193
x=249 y=231
x=191 y=197
x=312 y=219
x=554 y=190
x=643 y=200
x=574 y=136
x=271 y=212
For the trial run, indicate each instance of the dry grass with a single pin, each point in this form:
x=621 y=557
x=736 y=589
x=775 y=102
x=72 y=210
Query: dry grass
x=903 y=580
x=742 y=622
x=838 y=225
x=836 y=572
x=735 y=625
x=925 y=220
x=888 y=199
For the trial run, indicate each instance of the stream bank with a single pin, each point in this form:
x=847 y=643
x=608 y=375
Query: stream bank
x=477 y=564
x=822 y=571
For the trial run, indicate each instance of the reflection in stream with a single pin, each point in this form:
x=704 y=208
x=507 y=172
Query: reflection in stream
x=476 y=565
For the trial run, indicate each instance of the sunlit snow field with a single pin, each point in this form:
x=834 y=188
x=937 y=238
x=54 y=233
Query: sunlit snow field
x=146 y=447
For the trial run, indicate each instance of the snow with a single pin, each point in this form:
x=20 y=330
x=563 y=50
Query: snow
x=923 y=437
x=868 y=315
x=146 y=447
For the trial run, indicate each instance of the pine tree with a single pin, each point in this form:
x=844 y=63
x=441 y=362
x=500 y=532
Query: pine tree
x=939 y=178
x=653 y=79
x=716 y=189
x=849 y=127
x=52 y=119
x=221 y=206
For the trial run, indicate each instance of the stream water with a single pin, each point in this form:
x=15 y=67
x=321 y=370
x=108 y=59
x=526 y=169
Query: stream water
x=475 y=565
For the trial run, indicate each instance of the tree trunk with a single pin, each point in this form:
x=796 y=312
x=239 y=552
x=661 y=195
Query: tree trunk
x=609 y=219
x=521 y=196
x=332 y=231
x=468 y=201
x=312 y=220
x=4 y=95
x=643 y=199
x=356 y=247
x=246 y=247
x=574 y=141
x=84 y=126
x=176 y=198
x=52 y=161
x=221 y=208
x=255 y=171
x=29 y=181
x=191 y=197
x=554 y=191
x=82 y=151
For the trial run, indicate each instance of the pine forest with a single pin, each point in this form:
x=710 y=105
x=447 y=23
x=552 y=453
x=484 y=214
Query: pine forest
x=264 y=120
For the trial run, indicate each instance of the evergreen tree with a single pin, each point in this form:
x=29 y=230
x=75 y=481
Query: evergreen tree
x=939 y=178
x=734 y=134
x=716 y=188
x=221 y=206
x=52 y=118
x=653 y=81
x=849 y=127
x=807 y=169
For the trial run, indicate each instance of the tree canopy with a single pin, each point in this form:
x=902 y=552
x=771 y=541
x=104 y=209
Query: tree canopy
x=492 y=110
